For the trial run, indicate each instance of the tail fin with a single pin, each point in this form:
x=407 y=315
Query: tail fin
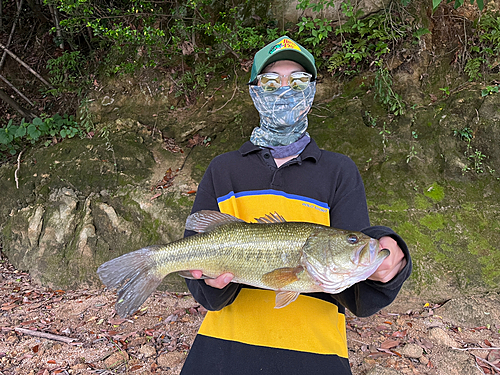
x=135 y=274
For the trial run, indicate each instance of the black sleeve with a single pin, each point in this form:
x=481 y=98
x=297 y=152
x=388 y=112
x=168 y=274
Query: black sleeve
x=367 y=297
x=348 y=208
x=210 y=298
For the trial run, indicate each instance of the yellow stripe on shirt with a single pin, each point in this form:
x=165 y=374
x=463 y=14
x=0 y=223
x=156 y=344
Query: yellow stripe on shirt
x=252 y=319
x=250 y=205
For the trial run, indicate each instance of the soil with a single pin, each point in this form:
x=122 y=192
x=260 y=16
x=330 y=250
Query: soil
x=81 y=334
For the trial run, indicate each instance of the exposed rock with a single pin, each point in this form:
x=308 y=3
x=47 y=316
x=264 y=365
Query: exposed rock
x=489 y=109
x=171 y=360
x=411 y=351
x=147 y=350
x=440 y=337
x=76 y=221
x=116 y=359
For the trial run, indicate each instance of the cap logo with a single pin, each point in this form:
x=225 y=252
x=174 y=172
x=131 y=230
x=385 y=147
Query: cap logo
x=285 y=43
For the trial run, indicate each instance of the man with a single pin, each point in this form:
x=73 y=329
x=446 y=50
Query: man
x=281 y=169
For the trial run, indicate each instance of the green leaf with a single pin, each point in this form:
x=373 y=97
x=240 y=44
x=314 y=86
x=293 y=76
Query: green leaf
x=435 y=4
x=480 y=4
x=4 y=138
x=21 y=132
x=33 y=132
x=37 y=121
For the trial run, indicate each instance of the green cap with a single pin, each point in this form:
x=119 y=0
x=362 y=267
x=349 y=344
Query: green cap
x=283 y=48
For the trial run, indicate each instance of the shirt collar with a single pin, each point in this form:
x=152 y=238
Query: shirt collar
x=312 y=151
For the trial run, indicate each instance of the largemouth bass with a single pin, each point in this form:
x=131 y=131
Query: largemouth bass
x=287 y=257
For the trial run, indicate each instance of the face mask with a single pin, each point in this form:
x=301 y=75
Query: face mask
x=283 y=114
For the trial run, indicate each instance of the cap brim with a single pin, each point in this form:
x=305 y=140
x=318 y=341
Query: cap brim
x=292 y=55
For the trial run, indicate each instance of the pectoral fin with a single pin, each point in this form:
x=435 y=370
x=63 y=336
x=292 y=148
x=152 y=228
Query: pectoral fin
x=281 y=277
x=285 y=298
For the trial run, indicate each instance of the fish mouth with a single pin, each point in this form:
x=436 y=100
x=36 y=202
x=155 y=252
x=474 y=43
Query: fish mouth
x=367 y=254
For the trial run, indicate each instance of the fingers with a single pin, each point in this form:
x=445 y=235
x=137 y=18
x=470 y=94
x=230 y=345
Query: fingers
x=391 y=265
x=219 y=282
x=197 y=274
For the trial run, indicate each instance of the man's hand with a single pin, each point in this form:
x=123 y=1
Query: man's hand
x=391 y=265
x=219 y=283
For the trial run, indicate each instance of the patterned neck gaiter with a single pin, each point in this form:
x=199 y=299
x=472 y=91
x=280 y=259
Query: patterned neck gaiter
x=283 y=115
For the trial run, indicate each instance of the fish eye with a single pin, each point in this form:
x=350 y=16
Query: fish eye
x=352 y=239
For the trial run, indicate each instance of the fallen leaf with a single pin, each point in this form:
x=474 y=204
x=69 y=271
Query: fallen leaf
x=28 y=322
x=425 y=344
x=400 y=333
x=388 y=344
x=170 y=145
x=116 y=321
x=166 y=181
x=156 y=195
x=8 y=306
x=196 y=140
x=494 y=355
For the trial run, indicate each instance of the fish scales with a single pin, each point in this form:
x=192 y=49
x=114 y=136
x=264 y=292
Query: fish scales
x=287 y=257
x=222 y=250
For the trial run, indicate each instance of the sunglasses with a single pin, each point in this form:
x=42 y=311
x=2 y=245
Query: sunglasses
x=270 y=82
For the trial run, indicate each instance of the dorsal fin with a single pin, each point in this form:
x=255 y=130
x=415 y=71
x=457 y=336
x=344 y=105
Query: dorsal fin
x=205 y=220
x=271 y=218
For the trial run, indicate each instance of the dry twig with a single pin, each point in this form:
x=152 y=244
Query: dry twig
x=465 y=349
x=218 y=109
x=44 y=335
x=19 y=7
x=488 y=363
x=16 y=90
x=234 y=93
x=17 y=170
x=26 y=66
